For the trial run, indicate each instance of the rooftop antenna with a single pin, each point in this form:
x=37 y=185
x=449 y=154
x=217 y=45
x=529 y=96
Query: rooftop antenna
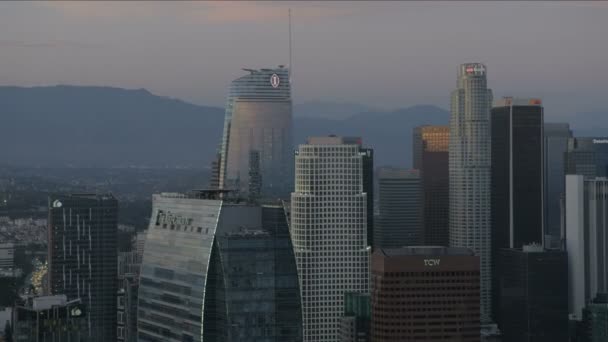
x=290 y=63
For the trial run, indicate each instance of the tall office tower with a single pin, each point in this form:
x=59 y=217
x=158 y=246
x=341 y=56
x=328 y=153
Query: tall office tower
x=50 y=319
x=534 y=294
x=596 y=319
x=587 y=157
x=82 y=257
x=431 y=158
x=356 y=320
x=425 y=293
x=258 y=118
x=328 y=230
x=217 y=270
x=517 y=173
x=469 y=168
x=400 y=204
x=556 y=145
x=517 y=179
x=586 y=240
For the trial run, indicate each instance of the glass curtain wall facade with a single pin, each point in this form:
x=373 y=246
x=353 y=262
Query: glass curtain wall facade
x=534 y=295
x=431 y=158
x=400 y=204
x=83 y=253
x=258 y=118
x=469 y=172
x=217 y=271
x=329 y=231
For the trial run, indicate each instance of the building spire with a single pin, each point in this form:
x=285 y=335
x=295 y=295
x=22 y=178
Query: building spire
x=290 y=39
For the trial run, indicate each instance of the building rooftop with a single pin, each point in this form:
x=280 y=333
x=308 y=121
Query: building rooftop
x=517 y=101
x=425 y=250
x=334 y=140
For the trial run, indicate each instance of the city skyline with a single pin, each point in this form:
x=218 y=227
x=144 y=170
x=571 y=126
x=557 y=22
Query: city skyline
x=127 y=45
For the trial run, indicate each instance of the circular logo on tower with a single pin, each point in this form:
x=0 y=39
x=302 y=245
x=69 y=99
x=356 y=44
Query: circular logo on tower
x=57 y=204
x=275 y=80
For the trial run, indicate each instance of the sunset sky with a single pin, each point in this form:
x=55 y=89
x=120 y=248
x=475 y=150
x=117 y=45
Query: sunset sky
x=388 y=55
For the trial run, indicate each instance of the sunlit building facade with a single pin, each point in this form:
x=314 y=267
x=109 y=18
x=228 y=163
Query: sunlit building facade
x=258 y=118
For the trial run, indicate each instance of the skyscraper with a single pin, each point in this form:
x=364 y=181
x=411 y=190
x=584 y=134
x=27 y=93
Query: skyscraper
x=469 y=168
x=217 y=270
x=556 y=145
x=258 y=118
x=588 y=157
x=517 y=179
x=534 y=294
x=400 y=204
x=586 y=240
x=328 y=229
x=431 y=158
x=517 y=173
x=83 y=251
x=425 y=294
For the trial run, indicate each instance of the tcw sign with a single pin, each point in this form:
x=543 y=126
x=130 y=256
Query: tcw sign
x=431 y=262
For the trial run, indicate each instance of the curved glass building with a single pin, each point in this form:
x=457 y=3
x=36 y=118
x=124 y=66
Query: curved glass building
x=258 y=120
x=217 y=271
x=469 y=172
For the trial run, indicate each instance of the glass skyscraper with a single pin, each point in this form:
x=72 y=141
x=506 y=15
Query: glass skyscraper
x=217 y=270
x=83 y=252
x=469 y=170
x=431 y=158
x=329 y=231
x=258 y=118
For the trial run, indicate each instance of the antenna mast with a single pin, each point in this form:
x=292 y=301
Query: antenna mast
x=290 y=63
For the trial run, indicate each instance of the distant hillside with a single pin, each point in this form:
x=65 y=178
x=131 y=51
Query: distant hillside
x=103 y=126
x=329 y=110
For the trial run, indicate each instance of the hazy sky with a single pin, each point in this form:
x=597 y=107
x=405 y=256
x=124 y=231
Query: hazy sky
x=392 y=54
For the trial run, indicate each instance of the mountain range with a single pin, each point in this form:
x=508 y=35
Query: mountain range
x=104 y=126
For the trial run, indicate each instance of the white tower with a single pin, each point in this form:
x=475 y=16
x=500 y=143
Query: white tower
x=328 y=229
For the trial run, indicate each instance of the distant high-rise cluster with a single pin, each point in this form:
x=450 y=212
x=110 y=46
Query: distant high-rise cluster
x=500 y=228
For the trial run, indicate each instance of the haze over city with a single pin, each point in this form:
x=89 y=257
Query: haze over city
x=382 y=54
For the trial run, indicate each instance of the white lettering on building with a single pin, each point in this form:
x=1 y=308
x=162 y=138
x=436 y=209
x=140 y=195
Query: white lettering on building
x=431 y=262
